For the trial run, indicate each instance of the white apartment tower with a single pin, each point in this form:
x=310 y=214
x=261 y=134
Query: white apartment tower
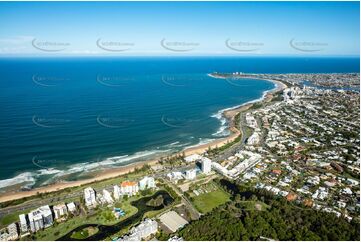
x=206 y=165
x=89 y=196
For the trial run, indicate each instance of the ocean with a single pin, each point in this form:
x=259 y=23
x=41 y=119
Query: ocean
x=64 y=117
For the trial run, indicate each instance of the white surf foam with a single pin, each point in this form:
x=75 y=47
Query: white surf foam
x=26 y=177
x=223 y=129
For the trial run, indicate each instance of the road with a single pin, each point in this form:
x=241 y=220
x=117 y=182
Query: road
x=236 y=147
x=185 y=200
x=33 y=204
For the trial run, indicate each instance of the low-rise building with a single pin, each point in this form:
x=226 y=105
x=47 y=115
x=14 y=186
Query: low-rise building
x=142 y=231
x=71 y=207
x=60 y=210
x=129 y=188
x=107 y=197
x=175 y=176
x=13 y=232
x=192 y=158
x=190 y=174
x=146 y=182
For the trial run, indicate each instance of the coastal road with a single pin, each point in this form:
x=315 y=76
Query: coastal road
x=33 y=204
x=236 y=147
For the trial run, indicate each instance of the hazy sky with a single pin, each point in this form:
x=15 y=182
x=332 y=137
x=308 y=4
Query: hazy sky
x=179 y=28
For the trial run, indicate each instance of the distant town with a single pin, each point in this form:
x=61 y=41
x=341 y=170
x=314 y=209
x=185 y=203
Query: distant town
x=302 y=145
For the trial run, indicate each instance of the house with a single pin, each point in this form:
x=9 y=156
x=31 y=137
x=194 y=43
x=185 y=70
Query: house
x=291 y=197
x=276 y=172
x=346 y=191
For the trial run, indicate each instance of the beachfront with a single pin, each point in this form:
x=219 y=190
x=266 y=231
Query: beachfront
x=115 y=172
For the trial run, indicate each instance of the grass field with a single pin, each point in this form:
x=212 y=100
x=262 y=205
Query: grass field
x=85 y=233
x=205 y=202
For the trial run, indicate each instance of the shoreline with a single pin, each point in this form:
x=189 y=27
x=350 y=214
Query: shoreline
x=228 y=113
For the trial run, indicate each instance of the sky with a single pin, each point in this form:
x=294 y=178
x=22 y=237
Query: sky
x=180 y=28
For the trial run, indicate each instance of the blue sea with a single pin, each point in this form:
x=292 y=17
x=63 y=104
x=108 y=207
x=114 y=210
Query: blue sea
x=63 y=118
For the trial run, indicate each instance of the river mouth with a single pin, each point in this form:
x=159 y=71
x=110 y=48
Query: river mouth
x=105 y=231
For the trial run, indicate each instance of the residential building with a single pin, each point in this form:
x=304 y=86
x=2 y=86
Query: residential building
x=107 y=197
x=36 y=220
x=23 y=223
x=129 y=188
x=13 y=232
x=190 y=174
x=253 y=139
x=175 y=176
x=40 y=218
x=60 y=210
x=192 y=158
x=71 y=207
x=142 y=231
x=4 y=235
x=146 y=182
x=90 y=197
x=206 y=165
x=116 y=192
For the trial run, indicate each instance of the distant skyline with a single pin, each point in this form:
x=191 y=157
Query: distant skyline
x=179 y=28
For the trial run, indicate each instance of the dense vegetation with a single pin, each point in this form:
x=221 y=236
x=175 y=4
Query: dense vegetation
x=281 y=220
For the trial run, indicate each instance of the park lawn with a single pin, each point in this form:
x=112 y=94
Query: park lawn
x=85 y=233
x=207 y=201
x=11 y=218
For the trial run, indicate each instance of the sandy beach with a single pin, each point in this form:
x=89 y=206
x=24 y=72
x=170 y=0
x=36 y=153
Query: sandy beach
x=115 y=172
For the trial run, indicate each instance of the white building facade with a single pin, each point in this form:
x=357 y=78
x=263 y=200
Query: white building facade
x=206 y=165
x=90 y=197
x=146 y=182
